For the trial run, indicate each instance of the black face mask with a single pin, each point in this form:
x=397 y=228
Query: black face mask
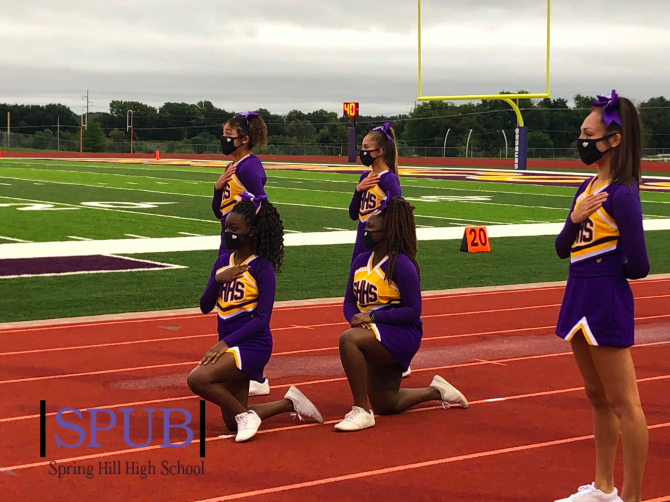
x=366 y=157
x=368 y=241
x=228 y=145
x=588 y=149
x=233 y=240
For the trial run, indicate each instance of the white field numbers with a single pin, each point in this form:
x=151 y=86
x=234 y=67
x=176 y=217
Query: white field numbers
x=33 y=206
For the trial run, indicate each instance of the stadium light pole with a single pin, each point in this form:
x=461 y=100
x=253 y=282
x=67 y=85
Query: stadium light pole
x=468 y=144
x=58 y=134
x=129 y=126
x=444 y=148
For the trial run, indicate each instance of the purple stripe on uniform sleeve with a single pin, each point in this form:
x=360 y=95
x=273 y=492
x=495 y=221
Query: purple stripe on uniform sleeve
x=216 y=203
x=355 y=204
x=566 y=238
x=211 y=293
x=407 y=279
x=350 y=306
x=390 y=184
x=627 y=212
x=252 y=175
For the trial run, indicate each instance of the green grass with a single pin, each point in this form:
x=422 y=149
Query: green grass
x=179 y=201
x=308 y=201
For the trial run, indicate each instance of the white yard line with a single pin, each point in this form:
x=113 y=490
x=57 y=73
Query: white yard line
x=134 y=236
x=207 y=243
x=12 y=239
x=74 y=237
x=114 y=210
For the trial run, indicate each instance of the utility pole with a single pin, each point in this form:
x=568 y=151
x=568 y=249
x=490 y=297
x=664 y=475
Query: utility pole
x=81 y=133
x=58 y=135
x=87 y=103
x=7 y=129
x=129 y=126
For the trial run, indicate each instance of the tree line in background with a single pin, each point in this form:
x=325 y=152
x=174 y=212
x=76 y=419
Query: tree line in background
x=552 y=124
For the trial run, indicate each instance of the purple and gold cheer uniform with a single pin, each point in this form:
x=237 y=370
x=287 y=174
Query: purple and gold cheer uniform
x=249 y=177
x=363 y=204
x=244 y=308
x=395 y=306
x=605 y=251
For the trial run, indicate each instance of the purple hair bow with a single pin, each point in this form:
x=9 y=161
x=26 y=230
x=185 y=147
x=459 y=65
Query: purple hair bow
x=248 y=116
x=611 y=105
x=385 y=129
x=256 y=200
x=383 y=204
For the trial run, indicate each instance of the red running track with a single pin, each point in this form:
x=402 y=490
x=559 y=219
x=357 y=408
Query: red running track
x=526 y=436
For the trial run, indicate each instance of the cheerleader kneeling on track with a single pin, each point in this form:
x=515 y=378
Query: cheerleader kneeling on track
x=604 y=239
x=383 y=306
x=242 y=288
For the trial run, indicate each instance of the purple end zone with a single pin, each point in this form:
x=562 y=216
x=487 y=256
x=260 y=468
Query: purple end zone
x=72 y=264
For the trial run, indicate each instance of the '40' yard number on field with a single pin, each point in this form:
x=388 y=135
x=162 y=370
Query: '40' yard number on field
x=25 y=206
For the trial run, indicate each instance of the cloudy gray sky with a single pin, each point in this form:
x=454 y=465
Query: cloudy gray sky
x=308 y=54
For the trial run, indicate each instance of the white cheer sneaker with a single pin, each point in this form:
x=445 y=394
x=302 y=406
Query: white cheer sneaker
x=356 y=420
x=589 y=493
x=259 y=388
x=303 y=407
x=450 y=394
x=247 y=426
x=407 y=373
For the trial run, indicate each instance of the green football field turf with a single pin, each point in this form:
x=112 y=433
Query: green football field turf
x=46 y=201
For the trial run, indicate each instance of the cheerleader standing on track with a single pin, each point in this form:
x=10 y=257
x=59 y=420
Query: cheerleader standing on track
x=381 y=154
x=245 y=173
x=383 y=306
x=604 y=239
x=241 y=134
x=242 y=288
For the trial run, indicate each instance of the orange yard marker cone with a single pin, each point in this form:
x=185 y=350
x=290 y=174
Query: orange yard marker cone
x=475 y=240
x=158 y=155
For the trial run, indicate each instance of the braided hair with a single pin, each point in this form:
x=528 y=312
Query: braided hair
x=268 y=240
x=400 y=232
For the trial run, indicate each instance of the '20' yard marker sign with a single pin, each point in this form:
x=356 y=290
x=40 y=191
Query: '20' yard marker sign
x=475 y=240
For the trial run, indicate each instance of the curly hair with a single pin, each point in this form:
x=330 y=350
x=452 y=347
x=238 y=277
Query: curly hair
x=269 y=237
x=390 y=148
x=400 y=232
x=255 y=129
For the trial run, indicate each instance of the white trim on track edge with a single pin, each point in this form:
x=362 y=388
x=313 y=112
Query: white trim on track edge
x=210 y=243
